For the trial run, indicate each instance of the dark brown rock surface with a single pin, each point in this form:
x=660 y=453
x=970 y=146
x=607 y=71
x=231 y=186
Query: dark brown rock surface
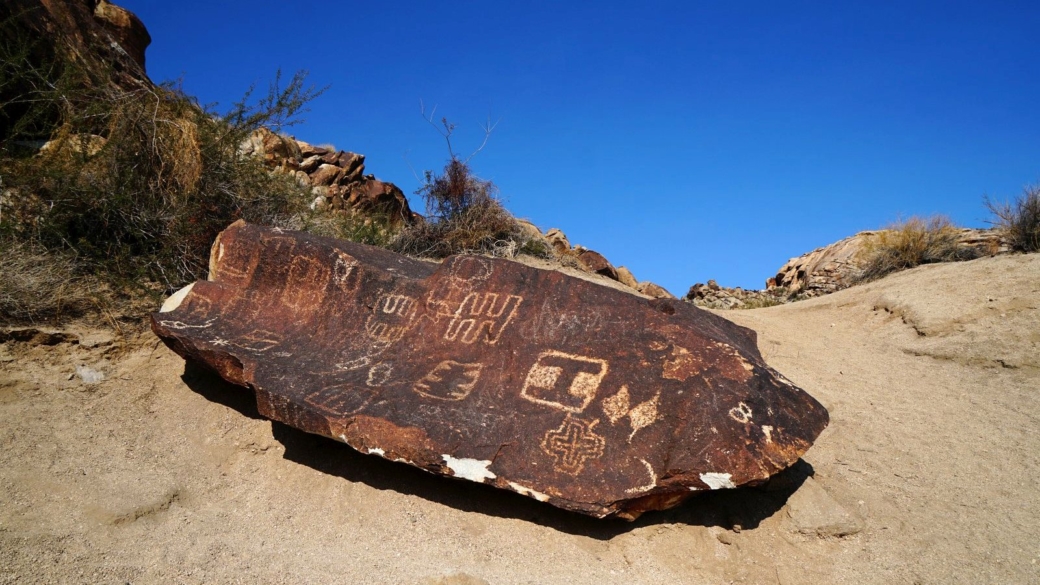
x=572 y=393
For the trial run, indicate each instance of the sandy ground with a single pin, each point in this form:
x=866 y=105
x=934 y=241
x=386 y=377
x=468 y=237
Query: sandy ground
x=928 y=473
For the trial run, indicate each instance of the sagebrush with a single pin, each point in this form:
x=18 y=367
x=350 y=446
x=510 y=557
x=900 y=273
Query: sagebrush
x=911 y=243
x=1019 y=221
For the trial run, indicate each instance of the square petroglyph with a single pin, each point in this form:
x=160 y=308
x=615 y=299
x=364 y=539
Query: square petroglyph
x=482 y=316
x=573 y=444
x=564 y=381
x=449 y=380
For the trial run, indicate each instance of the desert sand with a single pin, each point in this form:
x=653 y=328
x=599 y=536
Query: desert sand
x=928 y=473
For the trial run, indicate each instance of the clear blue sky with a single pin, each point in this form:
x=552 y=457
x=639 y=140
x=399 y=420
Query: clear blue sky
x=685 y=140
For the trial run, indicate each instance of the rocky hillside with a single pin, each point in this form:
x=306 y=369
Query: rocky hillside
x=826 y=270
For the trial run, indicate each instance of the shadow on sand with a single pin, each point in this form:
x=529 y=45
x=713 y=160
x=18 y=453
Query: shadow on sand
x=744 y=507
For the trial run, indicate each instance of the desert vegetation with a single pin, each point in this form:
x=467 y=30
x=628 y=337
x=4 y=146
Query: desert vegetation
x=463 y=212
x=910 y=243
x=1019 y=220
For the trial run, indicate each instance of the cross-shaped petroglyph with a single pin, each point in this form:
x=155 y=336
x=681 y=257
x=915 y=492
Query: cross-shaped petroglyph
x=391 y=318
x=564 y=381
x=482 y=316
x=572 y=444
x=449 y=380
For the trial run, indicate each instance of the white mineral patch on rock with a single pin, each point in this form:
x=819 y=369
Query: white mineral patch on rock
x=471 y=469
x=718 y=481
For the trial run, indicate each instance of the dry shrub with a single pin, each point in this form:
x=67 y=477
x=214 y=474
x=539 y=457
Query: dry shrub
x=374 y=229
x=464 y=216
x=911 y=243
x=1019 y=222
x=134 y=183
x=38 y=284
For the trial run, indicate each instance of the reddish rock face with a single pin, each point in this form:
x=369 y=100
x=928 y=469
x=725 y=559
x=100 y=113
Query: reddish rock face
x=572 y=393
x=596 y=262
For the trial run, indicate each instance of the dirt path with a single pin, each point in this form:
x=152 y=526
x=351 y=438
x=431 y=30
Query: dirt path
x=927 y=474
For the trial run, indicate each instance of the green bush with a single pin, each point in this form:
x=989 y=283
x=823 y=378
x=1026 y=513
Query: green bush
x=1019 y=222
x=911 y=243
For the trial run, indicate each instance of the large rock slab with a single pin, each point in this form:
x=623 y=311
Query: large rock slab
x=575 y=394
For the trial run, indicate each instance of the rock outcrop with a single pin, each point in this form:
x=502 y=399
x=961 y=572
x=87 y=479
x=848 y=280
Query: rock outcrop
x=483 y=369
x=105 y=41
x=336 y=178
x=713 y=296
x=595 y=263
x=823 y=271
x=834 y=267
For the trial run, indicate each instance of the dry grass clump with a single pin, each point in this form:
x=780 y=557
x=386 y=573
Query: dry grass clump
x=38 y=284
x=1019 y=222
x=911 y=243
x=135 y=184
x=464 y=216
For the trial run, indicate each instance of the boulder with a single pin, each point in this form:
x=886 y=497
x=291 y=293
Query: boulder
x=626 y=278
x=657 y=291
x=595 y=262
x=558 y=240
x=483 y=369
x=107 y=42
x=127 y=29
x=376 y=197
x=326 y=175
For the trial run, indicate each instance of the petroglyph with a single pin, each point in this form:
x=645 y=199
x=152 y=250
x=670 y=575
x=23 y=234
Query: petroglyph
x=643 y=415
x=345 y=272
x=258 y=340
x=449 y=380
x=482 y=316
x=391 y=319
x=617 y=406
x=305 y=285
x=355 y=364
x=182 y=325
x=572 y=445
x=564 y=381
x=740 y=413
x=682 y=366
x=379 y=374
x=649 y=485
x=767 y=430
x=479 y=271
x=726 y=360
